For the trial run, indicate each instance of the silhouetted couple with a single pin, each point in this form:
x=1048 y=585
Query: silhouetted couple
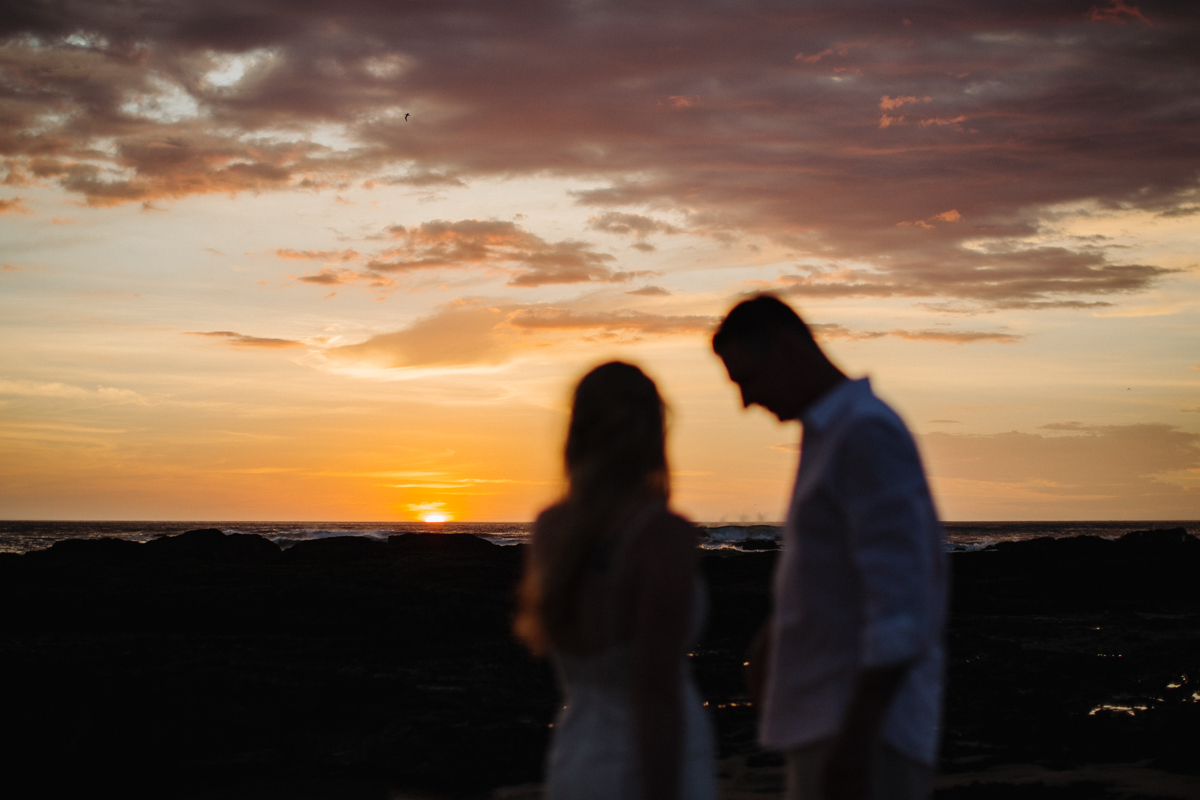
x=847 y=673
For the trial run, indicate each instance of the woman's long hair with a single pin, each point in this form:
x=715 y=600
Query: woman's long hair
x=615 y=450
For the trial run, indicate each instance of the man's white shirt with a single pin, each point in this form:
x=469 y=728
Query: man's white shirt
x=861 y=581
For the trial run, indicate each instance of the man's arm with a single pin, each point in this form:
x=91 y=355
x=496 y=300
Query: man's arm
x=890 y=516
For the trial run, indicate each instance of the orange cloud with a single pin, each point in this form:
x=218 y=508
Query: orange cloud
x=468 y=332
x=946 y=216
x=316 y=255
x=943 y=120
x=1116 y=11
x=13 y=206
x=891 y=103
x=888 y=103
x=458 y=335
x=838 y=48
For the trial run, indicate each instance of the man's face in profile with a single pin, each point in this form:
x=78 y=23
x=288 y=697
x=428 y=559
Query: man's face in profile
x=762 y=375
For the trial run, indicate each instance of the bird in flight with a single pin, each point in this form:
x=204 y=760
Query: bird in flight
x=406 y=116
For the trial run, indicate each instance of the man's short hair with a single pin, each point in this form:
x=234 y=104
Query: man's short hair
x=757 y=321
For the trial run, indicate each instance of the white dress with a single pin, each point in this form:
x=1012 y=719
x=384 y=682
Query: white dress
x=593 y=755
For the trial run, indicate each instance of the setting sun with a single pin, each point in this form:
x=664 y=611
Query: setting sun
x=437 y=517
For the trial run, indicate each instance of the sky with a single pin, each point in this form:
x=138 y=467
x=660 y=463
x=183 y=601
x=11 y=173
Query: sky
x=266 y=260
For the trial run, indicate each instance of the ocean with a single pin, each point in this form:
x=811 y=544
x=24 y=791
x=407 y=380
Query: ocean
x=23 y=536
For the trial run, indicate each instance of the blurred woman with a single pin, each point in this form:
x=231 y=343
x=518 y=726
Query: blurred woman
x=611 y=594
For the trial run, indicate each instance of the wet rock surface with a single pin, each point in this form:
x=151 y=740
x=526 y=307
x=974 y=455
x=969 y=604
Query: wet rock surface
x=205 y=665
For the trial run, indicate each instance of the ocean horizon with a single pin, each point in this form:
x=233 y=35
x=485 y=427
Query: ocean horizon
x=22 y=536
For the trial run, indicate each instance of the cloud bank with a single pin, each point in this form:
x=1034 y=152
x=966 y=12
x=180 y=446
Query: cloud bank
x=923 y=145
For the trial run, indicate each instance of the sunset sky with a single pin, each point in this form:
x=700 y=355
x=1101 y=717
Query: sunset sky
x=345 y=260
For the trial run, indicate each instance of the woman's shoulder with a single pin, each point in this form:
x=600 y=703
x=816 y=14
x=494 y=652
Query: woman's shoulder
x=551 y=522
x=552 y=514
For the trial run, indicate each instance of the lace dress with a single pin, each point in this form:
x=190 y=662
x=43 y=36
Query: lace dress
x=593 y=755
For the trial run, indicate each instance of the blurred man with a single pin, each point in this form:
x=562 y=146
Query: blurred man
x=848 y=671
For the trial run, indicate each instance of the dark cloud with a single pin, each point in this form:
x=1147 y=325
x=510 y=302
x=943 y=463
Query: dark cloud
x=630 y=224
x=835 y=331
x=956 y=337
x=242 y=340
x=495 y=243
x=831 y=330
x=486 y=244
x=1116 y=11
x=332 y=277
x=422 y=179
x=650 y=291
x=1030 y=277
x=929 y=152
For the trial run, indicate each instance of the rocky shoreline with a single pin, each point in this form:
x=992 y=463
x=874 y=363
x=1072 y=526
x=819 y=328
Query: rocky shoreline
x=206 y=665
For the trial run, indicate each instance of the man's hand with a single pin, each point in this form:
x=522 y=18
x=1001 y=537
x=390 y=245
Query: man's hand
x=847 y=773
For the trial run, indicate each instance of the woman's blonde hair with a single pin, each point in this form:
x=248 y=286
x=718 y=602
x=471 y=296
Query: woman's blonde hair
x=615 y=448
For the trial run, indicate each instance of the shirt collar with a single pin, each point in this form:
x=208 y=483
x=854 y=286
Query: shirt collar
x=834 y=403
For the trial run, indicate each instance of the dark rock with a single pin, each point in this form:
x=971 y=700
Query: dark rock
x=758 y=544
x=1160 y=538
x=84 y=551
x=1063 y=547
x=215 y=546
x=335 y=550
x=448 y=544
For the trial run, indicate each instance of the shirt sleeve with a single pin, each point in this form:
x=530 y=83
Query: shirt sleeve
x=894 y=539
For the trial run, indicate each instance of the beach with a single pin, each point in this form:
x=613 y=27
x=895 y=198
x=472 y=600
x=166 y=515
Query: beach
x=222 y=665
